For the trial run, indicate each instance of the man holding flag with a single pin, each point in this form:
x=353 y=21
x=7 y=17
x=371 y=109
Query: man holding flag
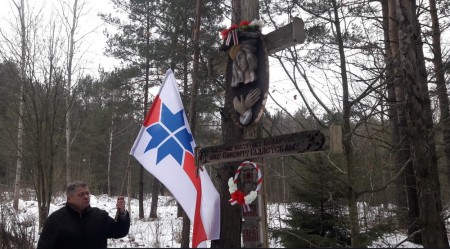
x=165 y=148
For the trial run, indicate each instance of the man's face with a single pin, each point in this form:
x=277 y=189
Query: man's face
x=80 y=199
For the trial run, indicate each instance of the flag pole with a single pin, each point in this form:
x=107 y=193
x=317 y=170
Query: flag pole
x=123 y=184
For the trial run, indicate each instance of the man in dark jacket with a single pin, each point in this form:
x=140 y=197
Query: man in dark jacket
x=78 y=225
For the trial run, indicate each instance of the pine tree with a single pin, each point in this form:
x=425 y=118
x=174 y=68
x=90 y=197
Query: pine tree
x=318 y=217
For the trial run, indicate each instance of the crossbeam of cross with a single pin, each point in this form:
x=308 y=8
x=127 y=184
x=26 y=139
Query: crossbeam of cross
x=283 y=145
x=277 y=40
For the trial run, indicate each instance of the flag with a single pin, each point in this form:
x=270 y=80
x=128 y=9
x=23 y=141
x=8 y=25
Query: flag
x=165 y=148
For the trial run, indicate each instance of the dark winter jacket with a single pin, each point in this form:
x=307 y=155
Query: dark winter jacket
x=67 y=229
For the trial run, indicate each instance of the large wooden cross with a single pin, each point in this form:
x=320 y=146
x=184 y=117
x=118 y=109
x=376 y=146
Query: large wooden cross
x=242 y=143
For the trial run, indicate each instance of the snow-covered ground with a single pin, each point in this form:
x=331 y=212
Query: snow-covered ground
x=163 y=232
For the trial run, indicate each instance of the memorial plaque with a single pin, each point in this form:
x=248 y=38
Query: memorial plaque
x=250 y=236
x=251 y=219
x=301 y=142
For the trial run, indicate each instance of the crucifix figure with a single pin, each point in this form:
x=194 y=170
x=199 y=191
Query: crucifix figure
x=246 y=67
x=247 y=71
x=244 y=71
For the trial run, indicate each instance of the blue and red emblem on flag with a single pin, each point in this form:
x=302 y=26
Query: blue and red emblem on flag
x=164 y=147
x=169 y=133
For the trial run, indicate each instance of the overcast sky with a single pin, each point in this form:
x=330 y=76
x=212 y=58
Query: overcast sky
x=90 y=28
x=91 y=48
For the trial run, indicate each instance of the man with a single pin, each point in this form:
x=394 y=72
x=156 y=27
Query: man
x=78 y=225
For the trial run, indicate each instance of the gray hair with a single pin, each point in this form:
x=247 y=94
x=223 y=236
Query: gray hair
x=72 y=186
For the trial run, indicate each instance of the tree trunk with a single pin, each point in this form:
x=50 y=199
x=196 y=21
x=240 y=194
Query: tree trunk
x=418 y=113
x=110 y=153
x=20 y=131
x=193 y=104
x=406 y=191
x=147 y=72
x=352 y=195
x=19 y=155
x=428 y=113
x=400 y=193
x=441 y=87
x=195 y=81
x=155 y=193
x=69 y=86
x=185 y=231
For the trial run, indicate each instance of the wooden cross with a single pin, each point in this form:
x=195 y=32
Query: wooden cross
x=242 y=143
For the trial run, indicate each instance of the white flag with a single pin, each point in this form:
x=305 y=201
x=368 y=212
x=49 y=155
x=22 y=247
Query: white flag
x=165 y=147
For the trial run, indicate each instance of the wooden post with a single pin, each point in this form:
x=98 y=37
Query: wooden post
x=336 y=139
x=231 y=217
x=254 y=232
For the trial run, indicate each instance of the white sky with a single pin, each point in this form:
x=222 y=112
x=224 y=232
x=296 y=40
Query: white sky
x=90 y=28
x=90 y=54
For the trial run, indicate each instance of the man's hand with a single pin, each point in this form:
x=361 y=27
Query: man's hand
x=120 y=205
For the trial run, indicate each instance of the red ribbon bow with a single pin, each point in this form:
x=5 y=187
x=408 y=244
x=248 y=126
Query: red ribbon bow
x=238 y=196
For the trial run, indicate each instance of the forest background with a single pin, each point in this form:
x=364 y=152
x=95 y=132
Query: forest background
x=377 y=68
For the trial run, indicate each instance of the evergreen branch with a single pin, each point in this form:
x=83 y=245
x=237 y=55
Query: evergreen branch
x=407 y=238
x=293 y=234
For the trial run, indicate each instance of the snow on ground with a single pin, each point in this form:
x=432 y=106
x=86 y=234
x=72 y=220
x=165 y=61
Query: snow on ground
x=163 y=232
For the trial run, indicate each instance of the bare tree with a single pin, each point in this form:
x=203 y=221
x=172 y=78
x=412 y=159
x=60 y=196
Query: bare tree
x=23 y=55
x=44 y=112
x=70 y=15
x=42 y=109
x=21 y=27
x=69 y=85
x=110 y=147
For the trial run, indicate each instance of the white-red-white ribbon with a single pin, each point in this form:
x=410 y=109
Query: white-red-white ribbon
x=232 y=34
